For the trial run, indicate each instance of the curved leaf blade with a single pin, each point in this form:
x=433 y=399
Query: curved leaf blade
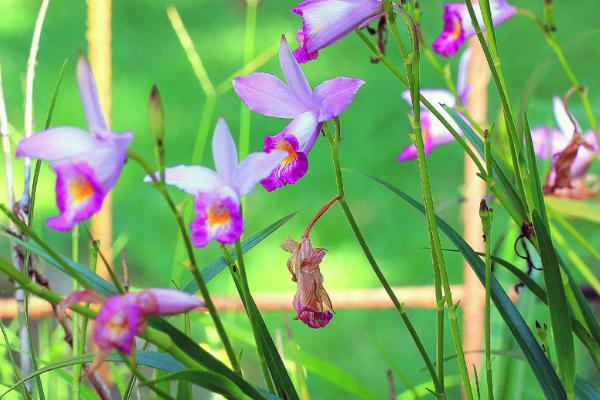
x=541 y=367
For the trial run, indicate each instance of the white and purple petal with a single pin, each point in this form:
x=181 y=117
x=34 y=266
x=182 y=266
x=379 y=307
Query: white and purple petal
x=547 y=142
x=89 y=98
x=454 y=32
x=293 y=74
x=161 y=301
x=326 y=21
x=224 y=152
x=192 y=179
x=305 y=128
x=563 y=119
x=458 y=27
x=462 y=84
x=255 y=168
x=334 y=95
x=267 y=95
x=56 y=144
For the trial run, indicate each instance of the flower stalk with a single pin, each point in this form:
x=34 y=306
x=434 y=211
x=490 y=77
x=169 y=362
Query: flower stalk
x=486 y=216
x=334 y=143
x=192 y=259
x=411 y=62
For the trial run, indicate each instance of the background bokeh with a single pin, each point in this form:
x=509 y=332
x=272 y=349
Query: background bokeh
x=146 y=51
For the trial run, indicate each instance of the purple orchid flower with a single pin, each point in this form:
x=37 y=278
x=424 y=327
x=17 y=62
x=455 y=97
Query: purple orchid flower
x=458 y=27
x=324 y=22
x=87 y=164
x=548 y=142
x=122 y=317
x=434 y=132
x=218 y=193
x=268 y=95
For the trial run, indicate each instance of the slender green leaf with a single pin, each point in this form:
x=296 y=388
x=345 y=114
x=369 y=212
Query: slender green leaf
x=150 y=359
x=541 y=367
x=557 y=304
x=585 y=391
x=531 y=163
x=206 y=359
x=587 y=210
x=277 y=369
x=499 y=173
x=208 y=380
x=588 y=315
x=337 y=376
x=218 y=265
x=424 y=388
x=89 y=279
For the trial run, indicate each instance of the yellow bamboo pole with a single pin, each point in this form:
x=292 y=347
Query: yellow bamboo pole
x=478 y=78
x=352 y=299
x=99 y=54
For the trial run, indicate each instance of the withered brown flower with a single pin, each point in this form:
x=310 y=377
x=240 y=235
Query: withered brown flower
x=560 y=176
x=311 y=301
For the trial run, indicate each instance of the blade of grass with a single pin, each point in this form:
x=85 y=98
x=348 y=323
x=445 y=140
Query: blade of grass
x=16 y=370
x=558 y=306
x=541 y=367
x=217 y=266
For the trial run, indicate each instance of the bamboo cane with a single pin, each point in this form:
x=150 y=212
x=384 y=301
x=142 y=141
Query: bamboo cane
x=352 y=299
x=99 y=53
x=478 y=77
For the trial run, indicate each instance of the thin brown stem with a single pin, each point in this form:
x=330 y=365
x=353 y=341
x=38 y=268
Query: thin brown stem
x=319 y=214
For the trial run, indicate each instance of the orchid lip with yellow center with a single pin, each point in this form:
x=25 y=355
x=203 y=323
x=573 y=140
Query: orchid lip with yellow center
x=285 y=145
x=78 y=194
x=291 y=168
x=80 y=189
x=219 y=218
x=458 y=28
x=217 y=214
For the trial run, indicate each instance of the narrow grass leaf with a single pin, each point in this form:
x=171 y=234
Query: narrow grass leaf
x=541 y=367
x=499 y=169
x=218 y=265
x=206 y=359
x=586 y=210
x=534 y=176
x=208 y=380
x=557 y=304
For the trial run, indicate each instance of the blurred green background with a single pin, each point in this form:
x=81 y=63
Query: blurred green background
x=146 y=51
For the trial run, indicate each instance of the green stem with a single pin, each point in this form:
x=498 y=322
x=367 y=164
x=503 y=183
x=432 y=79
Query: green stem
x=583 y=92
x=192 y=259
x=154 y=336
x=249 y=45
x=491 y=55
x=238 y=272
x=486 y=221
x=334 y=146
x=412 y=67
x=76 y=386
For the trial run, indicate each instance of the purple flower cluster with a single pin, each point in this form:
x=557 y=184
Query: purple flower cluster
x=88 y=163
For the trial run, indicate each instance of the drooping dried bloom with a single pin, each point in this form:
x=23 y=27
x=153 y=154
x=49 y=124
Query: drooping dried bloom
x=122 y=317
x=311 y=301
x=571 y=153
x=87 y=164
